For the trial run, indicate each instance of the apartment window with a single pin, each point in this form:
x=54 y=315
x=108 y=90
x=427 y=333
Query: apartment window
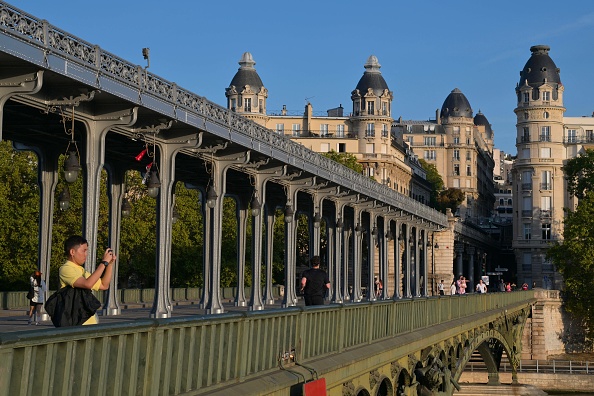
x=457 y=155
x=325 y=147
x=468 y=171
x=296 y=129
x=590 y=135
x=410 y=141
x=545 y=115
x=370 y=148
x=456 y=183
x=501 y=201
x=456 y=129
x=261 y=106
x=457 y=140
x=342 y=147
x=526 y=97
x=280 y=129
x=545 y=180
x=509 y=201
x=429 y=154
x=456 y=170
x=339 y=130
x=370 y=107
x=546 y=95
x=545 y=206
x=468 y=156
x=527 y=180
x=429 y=141
x=546 y=231
x=527 y=206
x=384 y=108
x=323 y=129
x=370 y=131
x=525 y=135
x=247 y=104
x=233 y=104
x=467 y=140
x=527 y=262
x=527 y=231
x=545 y=152
x=384 y=131
x=571 y=136
x=545 y=134
x=371 y=171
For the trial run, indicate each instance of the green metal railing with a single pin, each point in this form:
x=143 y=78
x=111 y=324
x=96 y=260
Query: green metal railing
x=202 y=352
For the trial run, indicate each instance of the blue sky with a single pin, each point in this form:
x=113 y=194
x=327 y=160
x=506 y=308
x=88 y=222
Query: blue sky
x=317 y=49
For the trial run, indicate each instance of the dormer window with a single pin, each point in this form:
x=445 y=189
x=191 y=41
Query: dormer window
x=526 y=97
x=546 y=96
x=370 y=107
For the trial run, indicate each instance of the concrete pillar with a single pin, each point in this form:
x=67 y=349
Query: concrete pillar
x=408 y=250
x=47 y=176
x=269 y=211
x=471 y=281
x=372 y=239
x=96 y=131
x=459 y=249
x=397 y=260
x=117 y=188
x=242 y=220
x=220 y=166
x=358 y=229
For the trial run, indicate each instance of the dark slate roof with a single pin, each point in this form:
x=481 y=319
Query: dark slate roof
x=246 y=74
x=539 y=67
x=456 y=105
x=480 y=119
x=372 y=78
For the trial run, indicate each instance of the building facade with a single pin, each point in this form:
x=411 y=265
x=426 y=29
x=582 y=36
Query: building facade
x=461 y=148
x=545 y=140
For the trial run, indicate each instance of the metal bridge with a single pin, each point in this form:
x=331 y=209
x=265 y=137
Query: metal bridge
x=49 y=77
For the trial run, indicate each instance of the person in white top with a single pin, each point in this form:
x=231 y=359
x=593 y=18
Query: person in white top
x=453 y=288
x=38 y=297
x=440 y=287
x=481 y=287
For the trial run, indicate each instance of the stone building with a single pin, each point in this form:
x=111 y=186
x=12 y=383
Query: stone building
x=461 y=148
x=364 y=131
x=545 y=140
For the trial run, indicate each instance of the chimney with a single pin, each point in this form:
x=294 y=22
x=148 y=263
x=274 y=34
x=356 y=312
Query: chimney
x=437 y=119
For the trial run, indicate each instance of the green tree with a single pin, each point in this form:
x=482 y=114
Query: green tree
x=450 y=198
x=573 y=259
x=347 y=159
x=579 y=173
x=436 y=181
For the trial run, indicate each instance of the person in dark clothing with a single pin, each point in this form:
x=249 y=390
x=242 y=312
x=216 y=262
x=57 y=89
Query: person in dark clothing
x=314 y=283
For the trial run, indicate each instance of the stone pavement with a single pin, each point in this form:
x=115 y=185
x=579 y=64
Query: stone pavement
x=16 y=320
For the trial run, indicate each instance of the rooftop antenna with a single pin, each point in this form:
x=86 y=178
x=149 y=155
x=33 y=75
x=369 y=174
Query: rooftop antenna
x=146 y=55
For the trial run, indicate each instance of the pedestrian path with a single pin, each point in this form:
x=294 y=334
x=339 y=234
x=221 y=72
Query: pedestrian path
x=15 y=320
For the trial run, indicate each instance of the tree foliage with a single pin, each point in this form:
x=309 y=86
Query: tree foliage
x=450 y=198
x=573 y=258
x=579 y=174
x=19 y=225
x=346 y=159
x=436 y=181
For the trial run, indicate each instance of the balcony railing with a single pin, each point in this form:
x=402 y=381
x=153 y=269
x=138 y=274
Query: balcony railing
x=527 y=213
x=527 y=186
x=545 y=138
x=546 y=186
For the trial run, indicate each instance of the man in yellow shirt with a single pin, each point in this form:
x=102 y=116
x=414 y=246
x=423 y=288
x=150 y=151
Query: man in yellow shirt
x=72 y=272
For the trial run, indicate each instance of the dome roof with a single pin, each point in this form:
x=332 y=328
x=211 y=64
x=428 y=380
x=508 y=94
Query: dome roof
x=372 y=78
x=480 y=119
x=246 y=74
x=540 y=67
x=456 y=105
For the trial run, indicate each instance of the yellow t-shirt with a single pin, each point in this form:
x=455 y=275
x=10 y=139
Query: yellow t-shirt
x=69 y=273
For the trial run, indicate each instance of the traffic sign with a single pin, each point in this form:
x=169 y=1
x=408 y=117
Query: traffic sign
x=500 y=269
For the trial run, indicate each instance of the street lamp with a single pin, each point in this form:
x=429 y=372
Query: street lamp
x=256 y=206
x=64 y=199
x=211 y=197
